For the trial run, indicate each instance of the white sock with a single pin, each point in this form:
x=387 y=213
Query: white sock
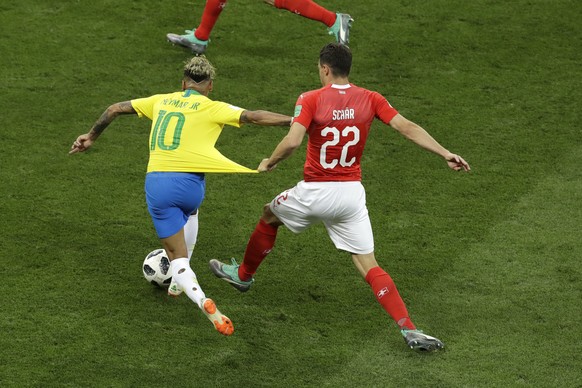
x=186 y=279
x=191 y=233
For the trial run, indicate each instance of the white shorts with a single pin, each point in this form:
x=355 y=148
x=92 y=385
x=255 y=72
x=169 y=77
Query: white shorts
x=341 y=206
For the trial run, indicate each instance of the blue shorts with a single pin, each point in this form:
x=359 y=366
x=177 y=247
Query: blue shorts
x=171 y=198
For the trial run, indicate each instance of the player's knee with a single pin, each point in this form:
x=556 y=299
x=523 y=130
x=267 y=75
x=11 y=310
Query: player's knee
x=269 y=217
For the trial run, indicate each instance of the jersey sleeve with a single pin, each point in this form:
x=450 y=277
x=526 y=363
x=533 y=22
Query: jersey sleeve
x=145 y=106
x=384 y=111
x=223 y=113
x=304 y=108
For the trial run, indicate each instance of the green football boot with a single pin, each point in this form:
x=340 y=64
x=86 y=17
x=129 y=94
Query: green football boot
x=189 y=41
x=341 y=28
x=229 y=273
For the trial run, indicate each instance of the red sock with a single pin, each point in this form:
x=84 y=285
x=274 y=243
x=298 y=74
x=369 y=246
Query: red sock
x=308 y=9
x=388 y=296
x=212 y=11
x=260 y=245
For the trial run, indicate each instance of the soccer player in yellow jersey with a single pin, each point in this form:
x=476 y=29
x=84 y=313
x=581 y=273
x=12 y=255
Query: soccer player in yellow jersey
x=185 y=128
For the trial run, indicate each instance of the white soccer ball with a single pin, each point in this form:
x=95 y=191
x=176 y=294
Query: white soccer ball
x=156 y=268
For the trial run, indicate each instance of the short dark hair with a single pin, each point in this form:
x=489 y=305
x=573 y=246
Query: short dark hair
x=338 y=57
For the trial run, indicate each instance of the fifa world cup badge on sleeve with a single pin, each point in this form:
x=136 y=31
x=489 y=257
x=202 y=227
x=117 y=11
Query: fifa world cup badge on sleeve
x=297 y=110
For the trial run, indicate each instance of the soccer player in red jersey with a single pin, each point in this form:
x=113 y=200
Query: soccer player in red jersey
x=337 y=119
x=197 y=39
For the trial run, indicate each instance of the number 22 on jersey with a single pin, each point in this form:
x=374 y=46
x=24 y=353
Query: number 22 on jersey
x=335 y=140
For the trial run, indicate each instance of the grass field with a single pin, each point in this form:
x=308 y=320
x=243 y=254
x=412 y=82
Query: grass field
x=486 y=261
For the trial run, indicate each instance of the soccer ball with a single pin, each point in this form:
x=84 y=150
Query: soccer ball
x=156 y=268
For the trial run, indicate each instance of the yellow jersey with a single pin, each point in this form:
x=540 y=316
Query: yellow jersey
x=185 y=128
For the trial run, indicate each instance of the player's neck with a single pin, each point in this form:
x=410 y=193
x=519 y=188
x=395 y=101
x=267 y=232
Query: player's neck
x=203 y=88
x=338 y=81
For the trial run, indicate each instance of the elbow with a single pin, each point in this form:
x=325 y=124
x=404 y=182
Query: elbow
x=260 y=117
x=293 y=144
x=114 y=110
x=409 y=130
x=251 y=117
x=404 y=126
x=291 y=148
x=255 y=117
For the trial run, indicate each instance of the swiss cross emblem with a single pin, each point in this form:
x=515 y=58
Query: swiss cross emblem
x=382 y=292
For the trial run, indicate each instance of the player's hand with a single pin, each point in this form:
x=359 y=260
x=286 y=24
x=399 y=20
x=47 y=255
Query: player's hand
x=83 y=143
x=457 y=163
x=264 y=166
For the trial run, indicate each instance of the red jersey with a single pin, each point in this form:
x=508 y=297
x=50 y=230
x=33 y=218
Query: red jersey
x=338 y=120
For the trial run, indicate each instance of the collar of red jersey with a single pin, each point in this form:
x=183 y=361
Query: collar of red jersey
x=336 y=86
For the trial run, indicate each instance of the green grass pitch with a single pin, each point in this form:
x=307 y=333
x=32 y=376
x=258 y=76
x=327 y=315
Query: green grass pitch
x=486 y=261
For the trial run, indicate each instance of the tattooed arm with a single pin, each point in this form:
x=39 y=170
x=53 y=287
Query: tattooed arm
x=85 y=141
x=263 y=117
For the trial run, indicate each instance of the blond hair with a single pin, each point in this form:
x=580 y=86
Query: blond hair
x=199 y=69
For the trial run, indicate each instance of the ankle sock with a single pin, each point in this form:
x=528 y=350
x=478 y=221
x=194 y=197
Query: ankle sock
x=186 y=279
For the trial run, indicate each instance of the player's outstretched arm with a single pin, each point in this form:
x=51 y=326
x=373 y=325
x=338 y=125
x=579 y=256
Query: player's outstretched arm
x=85 y=141
x=285 y=148
x=418 y=135
x=263 y=117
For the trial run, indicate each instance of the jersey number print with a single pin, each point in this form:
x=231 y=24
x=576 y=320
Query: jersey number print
x=343 y=160
x=176 y=119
